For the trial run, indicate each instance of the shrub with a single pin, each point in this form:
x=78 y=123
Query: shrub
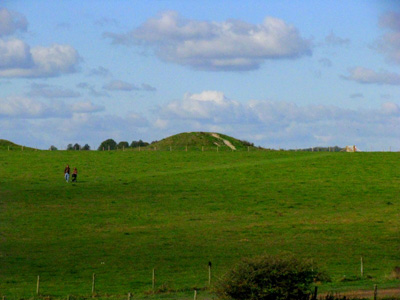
x=109 y=144
x=267 y=278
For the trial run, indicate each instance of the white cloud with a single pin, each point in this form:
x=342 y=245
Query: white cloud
x=100 y=71
x=11 y=22
x=27 y=108
x=334 y=40
x=17 y=59
x=219 y=46
x=51 y=92
x=389 y=43
x=368 y=76
x=357 y=95
x=119 y=85
x=15 y=53
x=92 y=90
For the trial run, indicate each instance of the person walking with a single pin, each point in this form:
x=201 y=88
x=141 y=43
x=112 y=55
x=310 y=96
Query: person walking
x=74 y=175
x=66 y=173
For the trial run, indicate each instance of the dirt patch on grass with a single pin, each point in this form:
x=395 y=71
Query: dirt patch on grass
x=226 y=142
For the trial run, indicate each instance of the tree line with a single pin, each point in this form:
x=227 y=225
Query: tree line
x=109 y=144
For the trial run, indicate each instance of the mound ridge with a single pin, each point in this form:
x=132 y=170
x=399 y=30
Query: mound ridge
x=201 y=140
x=8 y=145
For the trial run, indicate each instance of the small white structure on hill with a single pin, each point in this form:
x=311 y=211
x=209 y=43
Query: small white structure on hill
x=351 y=149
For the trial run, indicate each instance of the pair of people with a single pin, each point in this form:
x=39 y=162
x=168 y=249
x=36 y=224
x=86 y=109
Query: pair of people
x=67 y=170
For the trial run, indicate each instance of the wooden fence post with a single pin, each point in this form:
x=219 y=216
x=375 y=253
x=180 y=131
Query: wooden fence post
x=314 y=296
x=362 y=267
x=195 y=295
x=93 y=284
x=154 y=279
x=129 y=296
x=38 y=285
x=209 y=273
x=375 y=291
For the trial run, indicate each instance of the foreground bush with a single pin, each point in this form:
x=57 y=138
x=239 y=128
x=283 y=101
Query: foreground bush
x=267 y=278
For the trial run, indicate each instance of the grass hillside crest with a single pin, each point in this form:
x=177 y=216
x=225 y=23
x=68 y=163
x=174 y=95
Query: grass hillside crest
x=201 y=140
x=7 y=145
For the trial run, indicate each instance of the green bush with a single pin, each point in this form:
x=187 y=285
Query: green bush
x=267 y=278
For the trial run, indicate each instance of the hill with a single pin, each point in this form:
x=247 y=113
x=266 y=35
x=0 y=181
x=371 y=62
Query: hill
x=175 y=211
x=201 y=141
x=7 y=145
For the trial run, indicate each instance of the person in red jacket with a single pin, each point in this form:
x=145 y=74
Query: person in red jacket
x=74 y=175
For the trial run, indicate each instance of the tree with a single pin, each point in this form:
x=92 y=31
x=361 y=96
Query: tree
x=109 y=144
x=267 y=278
x=70 y=147
x=53 y=148
x=86 y=147
x=77 y=147
x=139 y=143
x=122 y=145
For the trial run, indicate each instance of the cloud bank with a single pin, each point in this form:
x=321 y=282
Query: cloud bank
x=18 y=59
x=368 y=76
x=232 y=45
x=389 y=43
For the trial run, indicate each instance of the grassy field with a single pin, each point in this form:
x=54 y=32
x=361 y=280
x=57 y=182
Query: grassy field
x=131 y=212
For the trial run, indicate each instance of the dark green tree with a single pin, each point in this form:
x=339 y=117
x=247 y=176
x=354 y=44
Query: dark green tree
x=267 y=278
x=77 y=147
x=70 y=147
x=53 y=148
x=139 y=143
x=122 y=145
x=86 y=147
x=109 y=144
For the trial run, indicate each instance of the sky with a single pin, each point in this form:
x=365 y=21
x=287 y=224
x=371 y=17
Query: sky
x=280 y=74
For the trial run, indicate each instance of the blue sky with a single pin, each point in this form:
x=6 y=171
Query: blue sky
x=287 y=74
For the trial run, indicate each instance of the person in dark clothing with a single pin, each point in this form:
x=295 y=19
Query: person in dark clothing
x=74 y=175
x=66 y=173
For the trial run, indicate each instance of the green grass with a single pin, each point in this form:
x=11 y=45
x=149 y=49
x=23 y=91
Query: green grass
x=131 y=212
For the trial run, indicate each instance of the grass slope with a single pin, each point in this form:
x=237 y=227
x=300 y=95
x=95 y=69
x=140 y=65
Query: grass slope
x=131 y=212
x=199 y=141
x=7 y=145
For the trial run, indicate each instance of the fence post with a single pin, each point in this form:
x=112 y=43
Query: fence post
x=362 y=267
x=129 y=296
x=195 y=295
x=209 y=273
x=93 y=284
x=314 y=296
x=202 y=148
x=154 y=279
x=375 y=291
x=38 y=285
